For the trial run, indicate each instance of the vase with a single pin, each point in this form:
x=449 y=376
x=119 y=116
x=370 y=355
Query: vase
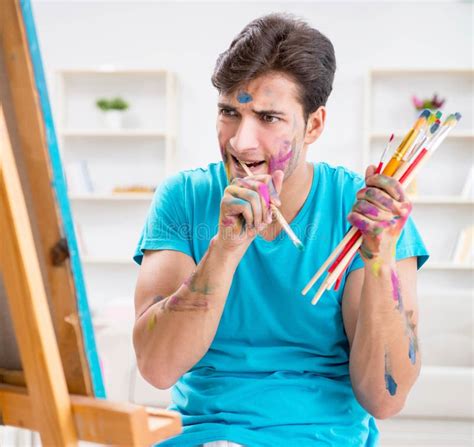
x=113 y=119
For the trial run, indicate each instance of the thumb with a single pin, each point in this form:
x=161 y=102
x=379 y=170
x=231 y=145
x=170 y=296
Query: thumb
x=370 y=171
x=277 y=177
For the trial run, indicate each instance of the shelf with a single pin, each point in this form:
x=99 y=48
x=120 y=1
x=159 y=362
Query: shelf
x=441 y=391
x=141 y=133
x=105 y=261
x=421 y=71
x=441 y=200
x=132 y=196
x=110 y=69
x=447 y=293
x=380 y=134
x=447 y=266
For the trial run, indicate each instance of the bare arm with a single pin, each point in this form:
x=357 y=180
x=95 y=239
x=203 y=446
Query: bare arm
x=178 y=304
x=379 y=303
x=384 y=362
x=178 y=309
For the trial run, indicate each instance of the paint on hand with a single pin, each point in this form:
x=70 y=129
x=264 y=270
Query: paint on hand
x=365 y=252
x=227 y=221
x=359 y=223
x=151 y=322
x=390 y=383
x=265 y=193
x=367 y=208
x=244 y=97
x=377 y=195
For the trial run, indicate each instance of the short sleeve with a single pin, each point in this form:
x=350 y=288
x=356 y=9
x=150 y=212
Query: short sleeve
x=409 y=244
x=167 y=225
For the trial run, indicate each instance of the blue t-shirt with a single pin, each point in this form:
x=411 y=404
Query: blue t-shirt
x=277 y=371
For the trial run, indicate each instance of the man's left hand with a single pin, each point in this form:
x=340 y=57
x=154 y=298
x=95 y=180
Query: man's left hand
x=380 y=213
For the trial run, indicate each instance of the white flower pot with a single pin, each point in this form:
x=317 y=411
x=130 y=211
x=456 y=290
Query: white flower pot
x=113 y=119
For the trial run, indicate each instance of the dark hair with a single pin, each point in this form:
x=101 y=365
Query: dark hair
x=281 y=43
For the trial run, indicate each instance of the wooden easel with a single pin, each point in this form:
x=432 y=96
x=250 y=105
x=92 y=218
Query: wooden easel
x=54 y=391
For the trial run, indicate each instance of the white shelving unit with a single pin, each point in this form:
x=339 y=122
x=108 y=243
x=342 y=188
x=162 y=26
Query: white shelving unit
x=137 y=156
x=442 y=397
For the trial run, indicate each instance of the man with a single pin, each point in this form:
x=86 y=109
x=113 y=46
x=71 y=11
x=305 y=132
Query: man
x=219 y=311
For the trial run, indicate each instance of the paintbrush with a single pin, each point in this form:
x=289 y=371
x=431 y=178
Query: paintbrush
x=406 y=143
x=353 y=238
x=284 y=224
x=382 y=158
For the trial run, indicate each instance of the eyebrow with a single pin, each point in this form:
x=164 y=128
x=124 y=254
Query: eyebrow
x=223 y=105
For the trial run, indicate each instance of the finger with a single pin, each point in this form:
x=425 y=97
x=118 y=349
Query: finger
x=262 y=189
x=253 y=198
x=367 y=226
x=388 y=184
x=380 y=199
x=277 y=177
x=370 y=171
x=372 y=212
x=270 y=181
x=235 y=207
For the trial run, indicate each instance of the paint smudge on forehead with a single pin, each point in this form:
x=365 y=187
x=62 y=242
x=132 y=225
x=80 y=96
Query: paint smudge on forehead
x=244 y=97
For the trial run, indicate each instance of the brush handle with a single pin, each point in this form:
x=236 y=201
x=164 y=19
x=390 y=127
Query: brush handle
x=331 y=258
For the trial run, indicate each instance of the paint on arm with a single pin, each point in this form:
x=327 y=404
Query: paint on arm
x=390 y=384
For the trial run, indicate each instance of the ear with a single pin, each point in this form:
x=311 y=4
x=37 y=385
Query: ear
x=315 y=125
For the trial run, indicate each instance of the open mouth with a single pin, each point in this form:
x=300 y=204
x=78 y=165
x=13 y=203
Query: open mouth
x=253 y=164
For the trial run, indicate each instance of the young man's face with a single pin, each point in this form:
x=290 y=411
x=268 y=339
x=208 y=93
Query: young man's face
x=262 y=125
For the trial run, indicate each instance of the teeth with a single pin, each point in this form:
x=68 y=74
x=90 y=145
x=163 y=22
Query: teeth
x=249 y=163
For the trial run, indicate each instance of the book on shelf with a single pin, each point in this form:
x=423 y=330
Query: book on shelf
x=78 y=177
x=464 y=250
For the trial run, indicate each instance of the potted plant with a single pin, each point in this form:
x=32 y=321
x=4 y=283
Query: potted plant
x=434 y=103
x=112 y=111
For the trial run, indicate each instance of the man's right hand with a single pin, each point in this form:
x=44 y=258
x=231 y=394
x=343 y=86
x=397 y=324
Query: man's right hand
x=245 y=209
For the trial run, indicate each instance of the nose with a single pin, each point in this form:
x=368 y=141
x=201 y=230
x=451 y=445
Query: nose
x=246 y=137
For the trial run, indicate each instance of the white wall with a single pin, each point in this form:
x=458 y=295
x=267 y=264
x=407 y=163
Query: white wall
x=186 y=37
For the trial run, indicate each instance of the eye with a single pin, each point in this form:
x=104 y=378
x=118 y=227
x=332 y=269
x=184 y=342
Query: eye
x=227 y=112
x=269 y=118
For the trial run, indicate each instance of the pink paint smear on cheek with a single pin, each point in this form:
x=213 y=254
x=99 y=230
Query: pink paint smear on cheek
x=265 y=193
x=280 y=162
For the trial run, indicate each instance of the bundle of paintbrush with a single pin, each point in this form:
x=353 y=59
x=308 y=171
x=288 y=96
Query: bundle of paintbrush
x=416 y=148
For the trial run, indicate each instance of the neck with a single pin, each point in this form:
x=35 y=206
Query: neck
x=295 y=190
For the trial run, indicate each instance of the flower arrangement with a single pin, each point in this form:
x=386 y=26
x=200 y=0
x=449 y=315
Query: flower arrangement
x=434 y=103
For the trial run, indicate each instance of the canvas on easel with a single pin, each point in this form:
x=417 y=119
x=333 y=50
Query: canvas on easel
x=50 y=379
